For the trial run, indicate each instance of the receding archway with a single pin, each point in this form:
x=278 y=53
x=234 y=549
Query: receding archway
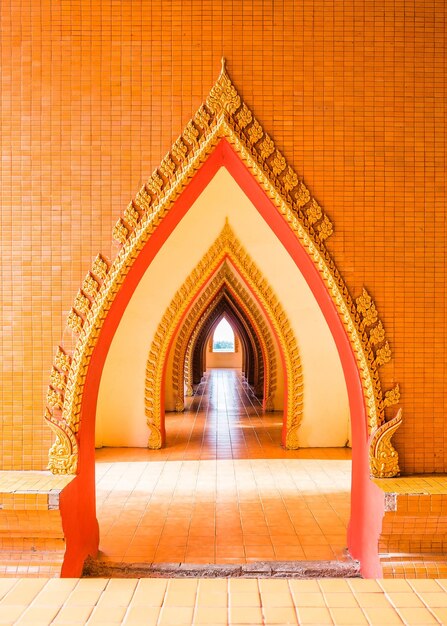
x=300 y=226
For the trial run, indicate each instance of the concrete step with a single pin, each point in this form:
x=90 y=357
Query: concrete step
x=259 y=569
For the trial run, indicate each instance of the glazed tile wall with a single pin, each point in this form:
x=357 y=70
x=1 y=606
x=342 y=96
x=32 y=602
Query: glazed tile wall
x=93 y=94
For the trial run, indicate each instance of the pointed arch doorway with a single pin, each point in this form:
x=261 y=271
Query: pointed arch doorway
x=222 y=137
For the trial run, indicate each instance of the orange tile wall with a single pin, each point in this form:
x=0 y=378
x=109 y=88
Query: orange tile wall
x=353 y=92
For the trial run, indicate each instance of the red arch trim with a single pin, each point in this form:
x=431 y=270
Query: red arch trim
x=367 y=501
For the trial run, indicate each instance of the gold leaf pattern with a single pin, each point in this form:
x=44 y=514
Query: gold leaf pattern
x=120 y=232
x=377 y=334
x=63 y=455
x=301 y=195
x=155 y=184
x=191 y=133
x=383 y=354
x=278 y=163
x=74 y=321
x=90 y=286
x=244 y=116
x=131 y=215
x=314 y=212
x=202 y=117
x=325 y=228
x=179 y=150
x=255 y=132
x=167 y=167
x=62 y=360
x=55 y=400
x=392 y=396
x=57 y=379
x=367 y=308
x=223 y=96
x=100 y=267
x=266 y=147
x=290 y=179
x=383 y=458
x=82 y=303
x=142 y=200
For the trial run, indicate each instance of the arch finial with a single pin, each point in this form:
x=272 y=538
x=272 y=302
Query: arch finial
x=223 y=69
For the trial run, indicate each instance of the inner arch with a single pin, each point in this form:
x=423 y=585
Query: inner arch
x=223 y=337
x=121 y=390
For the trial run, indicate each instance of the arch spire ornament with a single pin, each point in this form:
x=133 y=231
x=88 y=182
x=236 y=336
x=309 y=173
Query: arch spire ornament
x=223 y=116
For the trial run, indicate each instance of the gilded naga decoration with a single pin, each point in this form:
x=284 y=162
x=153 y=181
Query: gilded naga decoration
x=222 y=115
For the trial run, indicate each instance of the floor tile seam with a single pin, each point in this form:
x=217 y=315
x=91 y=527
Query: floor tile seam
x=418 y=595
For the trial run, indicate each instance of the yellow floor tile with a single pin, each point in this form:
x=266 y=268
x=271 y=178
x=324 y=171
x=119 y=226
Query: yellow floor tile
x=279 y=615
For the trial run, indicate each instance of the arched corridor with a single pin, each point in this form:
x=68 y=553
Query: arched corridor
x=223 y=490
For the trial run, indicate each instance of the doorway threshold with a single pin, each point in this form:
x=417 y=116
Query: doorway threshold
x=259 y=569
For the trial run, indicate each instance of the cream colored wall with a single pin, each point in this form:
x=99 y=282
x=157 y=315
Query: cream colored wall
x=223 y=359
x=120 y=412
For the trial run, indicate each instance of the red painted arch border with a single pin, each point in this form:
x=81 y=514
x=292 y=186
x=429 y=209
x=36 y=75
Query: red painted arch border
x=78 y=500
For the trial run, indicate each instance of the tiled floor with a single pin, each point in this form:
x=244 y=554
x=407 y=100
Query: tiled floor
x=236 y=602
x=223 y=490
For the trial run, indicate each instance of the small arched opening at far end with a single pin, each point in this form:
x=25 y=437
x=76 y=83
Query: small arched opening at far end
x=223 y=337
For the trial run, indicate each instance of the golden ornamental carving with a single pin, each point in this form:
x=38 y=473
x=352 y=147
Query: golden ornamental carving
x=143 y=202
x=266 y=147
x=244 y=116
x=202 y=117
x=62 y=360
x=100 y=267
x=179 y=404
x=155 y=184
x=392 y=397
x=74 y=321
x=179 y=150
x=367 y=308
x=255 y=132
x=131 y=215
x=278 y=163
x=82 y=303
x=242 y=134
x=223 y=95
x=191 y=134
x=377 y=334
x=290 y=179
x=325 y=228
x=57 y=379
x=154 y=441
x=301 y=195
x=120 y=232
x=55 y=400
x=90 y=286
x=383 y=354
x=314 y=212
x=167 y=167
x=63 y=456
x=383 y=458
x=225 y=246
